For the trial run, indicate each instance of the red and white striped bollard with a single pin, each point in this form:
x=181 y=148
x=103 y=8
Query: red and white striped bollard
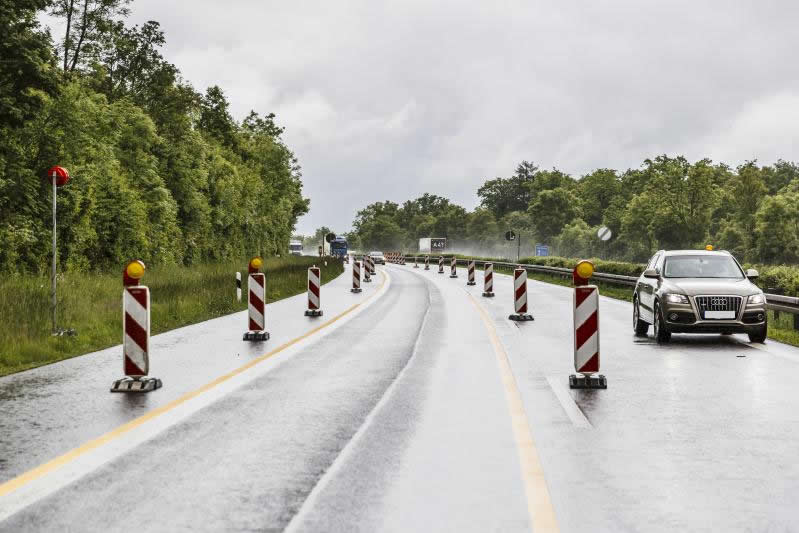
x=367 y=275
x=453 y=267
x=356 y=276
x=470 y=273
x=488 y=280
x=314 y=291
x=441 y=264
x=586 y=331
x=256 y=302
x=135 y=333
x=520 y=296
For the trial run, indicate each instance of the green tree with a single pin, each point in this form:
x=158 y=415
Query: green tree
x=86 y=24
x=596 y=191
x=503 y=195
x=552 y=210
x=777 y=229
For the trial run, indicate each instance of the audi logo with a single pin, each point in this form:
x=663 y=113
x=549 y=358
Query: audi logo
x=718 y=301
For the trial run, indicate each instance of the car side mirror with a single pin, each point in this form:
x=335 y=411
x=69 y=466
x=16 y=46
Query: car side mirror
x=651 y=273
x=752 y=273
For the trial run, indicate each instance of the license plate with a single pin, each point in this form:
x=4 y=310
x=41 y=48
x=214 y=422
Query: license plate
x=720 y=314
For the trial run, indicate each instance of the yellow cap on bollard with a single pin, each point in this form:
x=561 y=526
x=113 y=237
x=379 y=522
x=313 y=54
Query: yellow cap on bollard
x=255 y=264
x=133 y=272
x=135 y=269
x=585 y=269
x=709 y=247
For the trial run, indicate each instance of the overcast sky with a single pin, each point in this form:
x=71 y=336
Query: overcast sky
x=388 y=100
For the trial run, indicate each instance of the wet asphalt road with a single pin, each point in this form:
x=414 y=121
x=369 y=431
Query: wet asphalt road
x=398 y=420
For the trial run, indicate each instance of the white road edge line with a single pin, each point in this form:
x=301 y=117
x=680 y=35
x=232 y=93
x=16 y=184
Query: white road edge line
x=348 y=450
x=573 y=410
x=86 y=463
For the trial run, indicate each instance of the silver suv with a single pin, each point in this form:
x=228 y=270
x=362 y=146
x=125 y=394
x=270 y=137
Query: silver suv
x=698 y=291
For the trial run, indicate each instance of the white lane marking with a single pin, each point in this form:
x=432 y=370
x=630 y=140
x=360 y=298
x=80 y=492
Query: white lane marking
x=573 y=411
x=31 y=487
x=349 y=449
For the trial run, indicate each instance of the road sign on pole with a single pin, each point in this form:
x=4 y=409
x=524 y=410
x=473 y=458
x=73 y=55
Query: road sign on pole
x=604 y=233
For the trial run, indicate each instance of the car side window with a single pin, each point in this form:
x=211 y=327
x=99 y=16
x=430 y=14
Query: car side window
x=659 y=264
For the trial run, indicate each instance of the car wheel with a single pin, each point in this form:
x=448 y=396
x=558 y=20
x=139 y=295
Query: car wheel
x=662 y=333
x=760 y=335
x=641 y=328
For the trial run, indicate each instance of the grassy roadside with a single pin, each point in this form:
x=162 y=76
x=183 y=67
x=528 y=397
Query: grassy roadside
x=92 y=305
x=780 y=329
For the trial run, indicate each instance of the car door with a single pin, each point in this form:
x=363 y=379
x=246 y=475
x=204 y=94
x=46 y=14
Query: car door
x=646 y=292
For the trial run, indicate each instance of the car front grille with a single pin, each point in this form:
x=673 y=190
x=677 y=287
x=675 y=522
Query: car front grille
x=718 y=303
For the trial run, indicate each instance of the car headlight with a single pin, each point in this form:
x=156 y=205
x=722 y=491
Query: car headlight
x=676 y=299
x=756 y=299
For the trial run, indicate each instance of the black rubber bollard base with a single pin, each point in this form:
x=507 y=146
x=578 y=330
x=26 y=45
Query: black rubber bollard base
x=471 y=283
x=488 y=294
x=427 y=268
x=367 y=280
x=136 y=385
x=453 y=275
x=521 y=317
x=313 y=312
x=581 y=381
x=355 y=289
x=256 y=336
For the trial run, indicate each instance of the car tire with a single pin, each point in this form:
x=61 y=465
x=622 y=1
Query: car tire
x=760 y=335
x=640 y=327
x=662 y=333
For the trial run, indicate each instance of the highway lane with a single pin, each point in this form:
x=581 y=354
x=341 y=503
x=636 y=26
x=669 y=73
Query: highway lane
x=400 y=419
x=249 y=459
x=52 y=409
x=696 y=435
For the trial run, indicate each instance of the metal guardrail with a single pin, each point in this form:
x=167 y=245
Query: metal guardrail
x=775 y=302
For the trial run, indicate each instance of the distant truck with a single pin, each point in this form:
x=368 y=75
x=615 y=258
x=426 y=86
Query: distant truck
x=338 y=247
x=295 y=247
x=432 y=245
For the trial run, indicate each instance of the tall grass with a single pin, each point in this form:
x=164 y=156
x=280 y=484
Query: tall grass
x=91 y=304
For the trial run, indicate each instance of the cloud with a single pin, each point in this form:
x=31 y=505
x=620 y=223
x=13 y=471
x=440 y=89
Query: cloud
x=391 y=99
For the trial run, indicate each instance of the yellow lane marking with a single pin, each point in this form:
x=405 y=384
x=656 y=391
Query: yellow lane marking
x=539 y=506
x=45 y=468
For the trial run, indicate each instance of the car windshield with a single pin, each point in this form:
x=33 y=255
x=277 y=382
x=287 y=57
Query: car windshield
x=701 y=266
x=376 y=253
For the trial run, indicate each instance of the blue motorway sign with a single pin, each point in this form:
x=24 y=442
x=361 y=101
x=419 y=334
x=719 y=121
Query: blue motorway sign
x=541 y=250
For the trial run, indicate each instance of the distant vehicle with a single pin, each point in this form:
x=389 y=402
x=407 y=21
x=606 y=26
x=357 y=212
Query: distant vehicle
x=432 y=245
x=698 y=291
x=295 y=247
x=378 y=258
x=338 y=247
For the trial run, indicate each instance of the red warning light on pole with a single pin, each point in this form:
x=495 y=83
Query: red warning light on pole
x=58 y=175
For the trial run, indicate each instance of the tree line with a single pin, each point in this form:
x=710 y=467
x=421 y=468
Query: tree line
x=668 y=202
x=160 y=171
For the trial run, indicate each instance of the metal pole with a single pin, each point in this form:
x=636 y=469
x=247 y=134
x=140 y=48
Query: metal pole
x=54 y=255
x=518 y=246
